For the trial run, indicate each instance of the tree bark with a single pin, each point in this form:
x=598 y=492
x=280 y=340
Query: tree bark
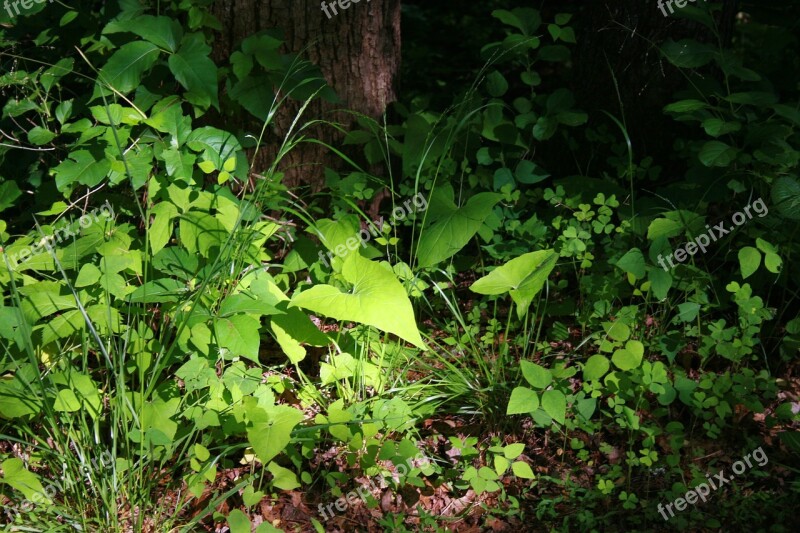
x=357 y=49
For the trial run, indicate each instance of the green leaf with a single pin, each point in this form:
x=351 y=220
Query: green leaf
x=717 y=154
x=630 y=357
x=50 y=76
x=81 y=168
x=749 y=261
x=123 y=70
x=271 y=429
x=451 y=227
x=523 y=400
x=238 y=522
x=526 y=20
x=716 y=127
x=207 y=166
x=217 y=145
x=164 y=32
x=39 y=136
x=9 y=192
x=201 y=452
x=179 y=164
x=685 y=106
x=522 y=470
x=664 y=227
x=501 y=464
x=255 y=94
x=595 y=367
x=619 y=331
x=633 y=263
x=160 y=231
x=242 y=303
x=538 y=376
x=687 y=311
x=196 y=375
x=195 y=70
x=15 y=475
x=496 y=84
x=773 y=262
x=529 y=173
x=503 y=177
x=283 y=478
x=554 y=404
x=239 y=335
x=660 y=282
x=376 y=299
x=786 y=197
x=45 y=303
x=512 y=451
x=522 y=277
x=688 y=53
x=66 y=401
x=158 y=291
x=202 y=233
x=251 y=497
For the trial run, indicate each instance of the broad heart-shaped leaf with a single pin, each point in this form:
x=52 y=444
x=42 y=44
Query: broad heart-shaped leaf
x=749 y=261
x=451 y=227
x=554 y=404
x=629 y=357
x=523 y=400
x=522 y=277
x=15 y=474
x=239 y=335
x=194 y=69
x=271 y=428
x=123 y=70
x=376 y=299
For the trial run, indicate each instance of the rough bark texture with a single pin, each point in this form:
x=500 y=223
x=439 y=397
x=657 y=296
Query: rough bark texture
x=358 y=51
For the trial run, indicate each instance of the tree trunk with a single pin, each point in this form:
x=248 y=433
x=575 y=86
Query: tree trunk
x=357 y=49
